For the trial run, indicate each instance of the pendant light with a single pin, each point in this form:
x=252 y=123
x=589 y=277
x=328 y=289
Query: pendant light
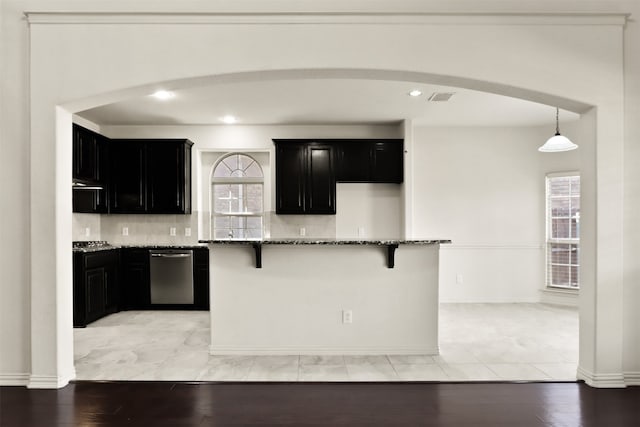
x=557 y=142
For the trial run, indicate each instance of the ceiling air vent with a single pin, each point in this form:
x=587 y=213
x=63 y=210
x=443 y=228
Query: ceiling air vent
x=440 y=96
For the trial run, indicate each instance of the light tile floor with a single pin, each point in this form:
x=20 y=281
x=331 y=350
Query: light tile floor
x=478 y=342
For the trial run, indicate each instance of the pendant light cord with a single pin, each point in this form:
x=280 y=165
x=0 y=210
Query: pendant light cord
x=557 y=121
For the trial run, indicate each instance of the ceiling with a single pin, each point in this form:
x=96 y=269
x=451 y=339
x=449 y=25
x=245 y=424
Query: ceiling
x=326 y=101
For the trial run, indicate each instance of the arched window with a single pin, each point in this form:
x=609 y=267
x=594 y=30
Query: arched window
x=236 y=198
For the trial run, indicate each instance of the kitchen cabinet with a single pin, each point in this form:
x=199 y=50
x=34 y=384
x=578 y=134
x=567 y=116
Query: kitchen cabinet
x=90 y=171
x=305 y=177
x=136 y=284
x=376 y=161
x=150 y=176
x=135 y=290
x=169 y=177
x=307 y=170
x=201 y=278
x=96 y=287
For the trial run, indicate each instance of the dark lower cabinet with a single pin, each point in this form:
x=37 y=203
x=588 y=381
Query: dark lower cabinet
x=136 y=285
x=96 y=287
x=108 y=281
x=201 y=278
x=135 y=288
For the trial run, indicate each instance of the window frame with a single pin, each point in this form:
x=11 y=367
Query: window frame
x=240 y=181
x=550 y=240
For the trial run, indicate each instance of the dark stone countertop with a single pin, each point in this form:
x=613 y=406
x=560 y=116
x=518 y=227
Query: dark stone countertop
x=96 y=246
x=312 y=241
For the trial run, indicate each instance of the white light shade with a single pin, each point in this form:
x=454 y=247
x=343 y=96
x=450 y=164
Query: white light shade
x=229 y=120
x=557 y=143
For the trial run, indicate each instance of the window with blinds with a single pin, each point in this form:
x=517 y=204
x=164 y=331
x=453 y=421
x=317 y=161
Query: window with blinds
x=563 y=231
x=237 y=193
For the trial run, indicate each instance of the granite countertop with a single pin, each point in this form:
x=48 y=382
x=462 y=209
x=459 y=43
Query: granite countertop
x=96 y=246
x=329 y=242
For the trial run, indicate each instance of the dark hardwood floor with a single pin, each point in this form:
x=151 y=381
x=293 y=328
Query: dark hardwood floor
x=149 y=404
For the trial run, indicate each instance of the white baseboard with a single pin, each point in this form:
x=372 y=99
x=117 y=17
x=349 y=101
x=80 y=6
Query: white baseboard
x=224 y=350
x=632 y=378
x=602 y=380
x=14 y=379
x=47 y=381
x=567 y=297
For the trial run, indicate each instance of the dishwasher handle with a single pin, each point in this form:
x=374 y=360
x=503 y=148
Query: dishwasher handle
x=183 y=255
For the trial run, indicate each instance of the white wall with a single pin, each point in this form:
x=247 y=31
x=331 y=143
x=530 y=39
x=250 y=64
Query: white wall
x=369 y=211
x=294 y=303
x=590 y=72
x=483 y=188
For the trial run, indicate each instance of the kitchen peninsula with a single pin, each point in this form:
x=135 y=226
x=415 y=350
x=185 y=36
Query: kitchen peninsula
x=324 y=296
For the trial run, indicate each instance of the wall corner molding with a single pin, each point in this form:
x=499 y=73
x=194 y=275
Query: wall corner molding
x=612 y=380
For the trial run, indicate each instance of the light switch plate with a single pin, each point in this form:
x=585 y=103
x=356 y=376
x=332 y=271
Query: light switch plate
x=125 y=231
x=172 y=231
x=187 y=231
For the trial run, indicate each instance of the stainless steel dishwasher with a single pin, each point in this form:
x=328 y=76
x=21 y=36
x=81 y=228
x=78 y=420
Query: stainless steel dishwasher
x=171 y=274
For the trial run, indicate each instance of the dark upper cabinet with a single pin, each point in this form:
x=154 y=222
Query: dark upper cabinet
x=96 y=287
x=305 y=177
x=150 y=176
x=387 y=162
x=90 y=200
x=90 y=171
x=85 y=155
x=290 y=178
x=169 y=177
x=321 y=179
x=379 y=161
x=127 y=189
x=354 y=162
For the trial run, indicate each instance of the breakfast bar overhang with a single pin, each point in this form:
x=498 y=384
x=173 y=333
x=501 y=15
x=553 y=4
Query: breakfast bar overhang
x=324 y=296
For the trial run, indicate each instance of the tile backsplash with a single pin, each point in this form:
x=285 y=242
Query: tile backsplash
x=86 y=227
x=288 y=226
x=141 y=229
x=156 y=229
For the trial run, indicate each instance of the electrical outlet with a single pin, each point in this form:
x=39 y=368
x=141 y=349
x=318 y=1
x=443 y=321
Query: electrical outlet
x=459 y=278
x=347 y=316
x=125 y=231
x=87 y=231
x=303 y=231
x=172 y=231
x=187 y=231
x=360 y=231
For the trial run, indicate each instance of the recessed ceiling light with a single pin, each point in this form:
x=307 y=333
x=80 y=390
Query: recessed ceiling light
x=163 y=95
x=229 y=120
x=415 y=92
